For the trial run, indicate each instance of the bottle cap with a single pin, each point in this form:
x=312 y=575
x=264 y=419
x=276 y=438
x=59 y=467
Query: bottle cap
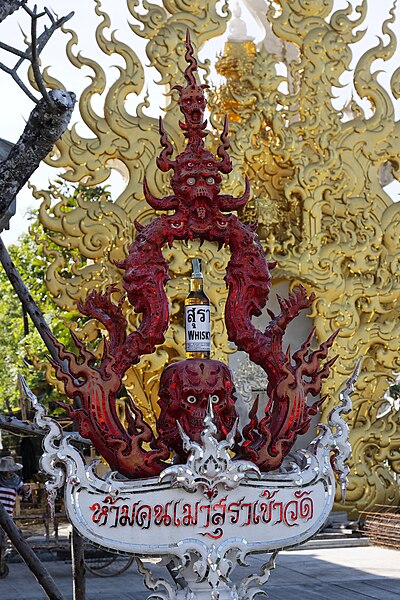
x=196 y=267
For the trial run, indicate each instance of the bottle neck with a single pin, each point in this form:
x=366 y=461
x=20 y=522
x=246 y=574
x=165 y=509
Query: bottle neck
x=196 y=284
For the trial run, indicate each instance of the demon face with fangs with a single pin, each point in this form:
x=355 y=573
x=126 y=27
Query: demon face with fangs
x=196 y=183
x=186 y=387
x=192 y=103
x=196 y=177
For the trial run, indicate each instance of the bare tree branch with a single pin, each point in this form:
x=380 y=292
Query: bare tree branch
x=18 y=81
x=45 y=126
x=35 y=58
x=43 y=38
x=48 y=31
x=33 y=13
x=7 y=7
x=33 y=51
x=32 y=561
x=48 y=120
x=14 y=425
x=12 y=50
x=18 y=427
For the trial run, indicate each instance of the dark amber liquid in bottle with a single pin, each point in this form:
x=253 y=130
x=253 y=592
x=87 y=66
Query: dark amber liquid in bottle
x=197 y=316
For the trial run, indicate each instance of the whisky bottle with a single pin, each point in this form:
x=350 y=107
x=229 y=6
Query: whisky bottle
x=197 y=316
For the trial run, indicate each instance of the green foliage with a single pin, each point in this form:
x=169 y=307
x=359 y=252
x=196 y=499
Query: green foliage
x=19 y=340
x=22 y=347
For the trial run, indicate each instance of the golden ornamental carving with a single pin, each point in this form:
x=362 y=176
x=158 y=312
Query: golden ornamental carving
x=317 y=176
x=249 y=97
x=332 y=225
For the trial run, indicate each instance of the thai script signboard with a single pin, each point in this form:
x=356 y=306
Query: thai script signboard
x=253 y=511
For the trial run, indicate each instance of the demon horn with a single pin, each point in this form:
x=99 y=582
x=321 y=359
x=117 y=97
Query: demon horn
x=192 y=66
x=164 y=163
x=225 y=166
x=228 y=203
x=166 y=203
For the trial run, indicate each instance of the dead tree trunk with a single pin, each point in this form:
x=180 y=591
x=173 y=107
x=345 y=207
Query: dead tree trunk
x=27 y=554
x=78 y=566
x=44 y=127
x=51 y=115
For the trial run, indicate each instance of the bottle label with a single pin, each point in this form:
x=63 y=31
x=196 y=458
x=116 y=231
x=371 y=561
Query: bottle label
x=198 y=331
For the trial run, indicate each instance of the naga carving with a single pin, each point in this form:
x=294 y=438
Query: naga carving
x=196 y=209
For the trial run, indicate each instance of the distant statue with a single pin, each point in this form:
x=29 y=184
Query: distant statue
x=238 y=28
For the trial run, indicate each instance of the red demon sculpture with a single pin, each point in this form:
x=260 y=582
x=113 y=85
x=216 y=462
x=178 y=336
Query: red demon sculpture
x=196 y=209
x=186 y=387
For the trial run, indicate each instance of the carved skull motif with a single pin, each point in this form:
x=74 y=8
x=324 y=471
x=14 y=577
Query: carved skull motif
x=193 y=103
x=196 y=183
x=185 y=389
x=196 y=176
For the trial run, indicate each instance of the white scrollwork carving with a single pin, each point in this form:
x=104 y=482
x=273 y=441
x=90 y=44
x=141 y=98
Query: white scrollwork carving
x=51 y=443
x=390 y=401
x=209 y=464
x=247 y=591
x=155 y=584
x=342 y=447
x=250 y=379
x=334 y=437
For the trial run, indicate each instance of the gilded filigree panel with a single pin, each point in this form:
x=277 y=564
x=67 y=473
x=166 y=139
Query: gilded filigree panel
x=346 y=244
x=316 y=175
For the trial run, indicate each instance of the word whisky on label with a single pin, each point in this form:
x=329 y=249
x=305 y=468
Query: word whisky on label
x=197 y=316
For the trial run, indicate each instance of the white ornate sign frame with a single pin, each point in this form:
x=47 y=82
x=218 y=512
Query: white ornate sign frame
x=205 y=516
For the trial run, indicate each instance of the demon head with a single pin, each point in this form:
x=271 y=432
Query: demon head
x=192 y=104
x=197 y=171
x=191 y=97
x=196 y=183
x=196 y=176
x=186 y=387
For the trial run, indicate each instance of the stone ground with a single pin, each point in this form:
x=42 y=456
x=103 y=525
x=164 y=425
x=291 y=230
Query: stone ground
x=327 y=574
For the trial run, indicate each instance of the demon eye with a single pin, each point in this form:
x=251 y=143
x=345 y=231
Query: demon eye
x=191 y=399
x=210 y=180
x=214 y=399
x=191 y=180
